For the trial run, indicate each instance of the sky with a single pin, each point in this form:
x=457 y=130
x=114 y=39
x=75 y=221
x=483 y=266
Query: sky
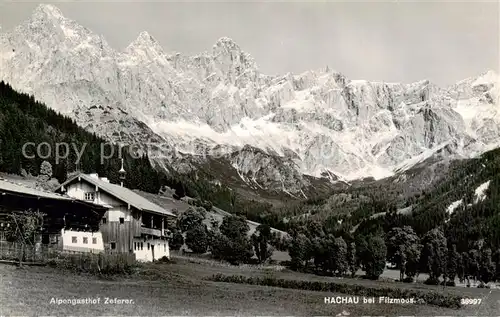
x=378 y=41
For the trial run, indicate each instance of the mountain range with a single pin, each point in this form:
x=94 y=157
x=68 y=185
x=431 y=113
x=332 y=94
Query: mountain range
x=215 y=112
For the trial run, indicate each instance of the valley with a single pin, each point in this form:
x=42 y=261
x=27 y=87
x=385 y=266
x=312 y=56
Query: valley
x=284 y=189
x=288 y=135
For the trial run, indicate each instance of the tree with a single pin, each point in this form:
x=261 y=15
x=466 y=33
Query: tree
x=177 y=240
x=319 y=248
x=314 y=229
x=296 y=227
x=45 y=171
x=234 y=227
x=191 y=218
x=352 y=260
x=434 y=253
x=197 y=239
x=402 y=248
x=473 y=264
x=339 y=255
x=279 y=241
x=261 y=239
x=412 y=260
x=487 y=267
x=234 y=251
x=453 y=262
x=496 y=260
x=44 y=180
x=462 y=266
x=180 y=191
x=373 y=256
x=23 y=228
x=230 y=242
x=299 y=250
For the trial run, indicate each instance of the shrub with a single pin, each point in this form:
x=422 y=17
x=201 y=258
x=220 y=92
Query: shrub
x=432 y=281
x=431 y=298
x=449 y=283
x=101 y=264
x=164 y=259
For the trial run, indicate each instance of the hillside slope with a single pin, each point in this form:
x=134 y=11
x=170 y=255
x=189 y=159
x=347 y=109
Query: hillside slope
x=26 y=124
x=462 y=198
x=165 y=200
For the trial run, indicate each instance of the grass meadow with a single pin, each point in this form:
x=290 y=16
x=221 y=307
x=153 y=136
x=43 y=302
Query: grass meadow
x=181 y=288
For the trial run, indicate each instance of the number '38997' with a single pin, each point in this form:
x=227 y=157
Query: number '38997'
x=470 y=301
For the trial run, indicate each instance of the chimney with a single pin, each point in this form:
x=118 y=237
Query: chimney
x=122 y=174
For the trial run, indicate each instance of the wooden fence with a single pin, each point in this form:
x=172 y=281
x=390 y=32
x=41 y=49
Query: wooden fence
x=42 y=254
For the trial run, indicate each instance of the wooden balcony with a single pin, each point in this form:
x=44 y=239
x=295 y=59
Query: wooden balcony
x=151 y=231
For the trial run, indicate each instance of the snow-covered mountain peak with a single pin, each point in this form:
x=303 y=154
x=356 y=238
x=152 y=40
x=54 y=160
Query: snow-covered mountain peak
x=317 y=122
x=146 y=46
x=145 y=39
x=47 y=11
x=48 y=19
x=226 y=52
x=48 y=29
x=226 y=43
x=488 y=78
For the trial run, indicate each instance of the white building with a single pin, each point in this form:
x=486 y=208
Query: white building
x=82 y=241
x=131 y=224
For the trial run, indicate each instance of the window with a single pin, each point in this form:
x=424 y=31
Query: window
x=142 y=245
x=89 y=195
x=113 y=245
x=122 y=220
x=148 y=245
x=94 y=240
x=85 y=240
x=103 y=220
x=74 y=240
x=165 y=247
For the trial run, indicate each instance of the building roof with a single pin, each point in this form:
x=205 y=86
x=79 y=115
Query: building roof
x=122 y=193
x=6 y=186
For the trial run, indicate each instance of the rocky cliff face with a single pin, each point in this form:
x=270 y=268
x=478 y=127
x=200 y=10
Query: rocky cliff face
x=272 y=130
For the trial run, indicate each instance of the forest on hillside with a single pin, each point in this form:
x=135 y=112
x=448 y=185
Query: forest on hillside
x=23 y=119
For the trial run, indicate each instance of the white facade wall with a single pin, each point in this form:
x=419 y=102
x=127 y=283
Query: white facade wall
x=77 y=190
x=144 y=252
x=118 y=209
x=82 y=241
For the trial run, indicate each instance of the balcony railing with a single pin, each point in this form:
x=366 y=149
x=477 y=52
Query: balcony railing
x=151 y=231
